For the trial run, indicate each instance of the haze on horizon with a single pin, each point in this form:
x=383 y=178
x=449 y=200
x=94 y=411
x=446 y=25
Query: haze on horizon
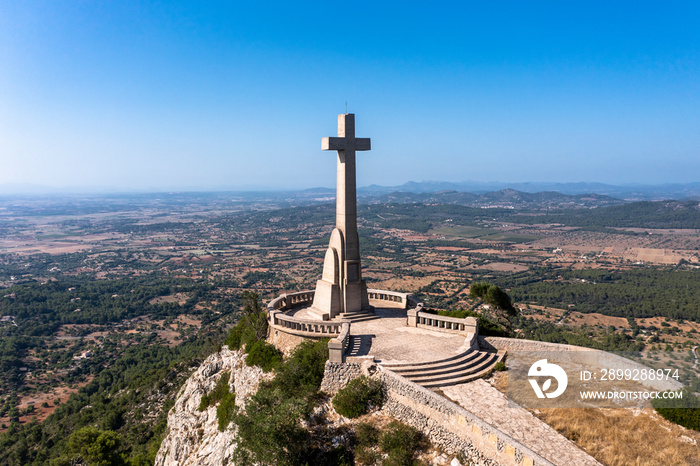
x=147 y=96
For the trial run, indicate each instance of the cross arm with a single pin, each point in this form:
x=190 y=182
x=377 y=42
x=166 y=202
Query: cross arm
x=344 y=144
x=333 y=144
x=362 y=144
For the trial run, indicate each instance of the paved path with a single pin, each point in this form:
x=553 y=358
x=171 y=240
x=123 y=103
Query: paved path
x=492 y=406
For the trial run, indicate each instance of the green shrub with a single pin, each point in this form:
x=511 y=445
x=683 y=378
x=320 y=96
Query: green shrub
x=251 y=327
x=684 y=412
x=270 y=430
x=500 y=366
x=235 y=336
x=95 y=446
x=358 y=396
x=366 y=441
x=401 y=443
x=264 y=355
x=366 y=434
x=302 y=372
x=217 y=394
x=247 y=331
x=226 y=410
x=338 y=456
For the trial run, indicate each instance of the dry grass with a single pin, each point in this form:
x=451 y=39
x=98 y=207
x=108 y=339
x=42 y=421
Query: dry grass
x=623 y=437
x=620 y=436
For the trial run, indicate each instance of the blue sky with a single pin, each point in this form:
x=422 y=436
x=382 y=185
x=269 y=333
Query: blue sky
x=193 y=95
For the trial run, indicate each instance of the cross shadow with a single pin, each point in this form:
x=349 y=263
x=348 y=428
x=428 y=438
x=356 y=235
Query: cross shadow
x=359 y=345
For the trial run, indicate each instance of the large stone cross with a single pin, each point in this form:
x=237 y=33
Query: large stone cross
x=341 y=289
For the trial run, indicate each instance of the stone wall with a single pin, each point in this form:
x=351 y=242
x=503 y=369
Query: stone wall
x=596 y=358
x=446 y=424
x=337 y=375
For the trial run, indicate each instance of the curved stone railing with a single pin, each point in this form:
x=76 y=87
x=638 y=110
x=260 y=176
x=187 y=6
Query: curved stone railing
x=289 y=300
x=279 y=320
x=391 y=296
x=445 y=323
x=416 y=317
x=305 y=328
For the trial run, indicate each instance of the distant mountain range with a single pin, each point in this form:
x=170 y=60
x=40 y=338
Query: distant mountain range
x=636 y=192
x=505 y=198
x=626 y=192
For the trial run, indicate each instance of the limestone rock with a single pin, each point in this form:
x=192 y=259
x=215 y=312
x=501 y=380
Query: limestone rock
x=193 y=437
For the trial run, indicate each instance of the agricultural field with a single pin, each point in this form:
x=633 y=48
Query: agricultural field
x=84 y=282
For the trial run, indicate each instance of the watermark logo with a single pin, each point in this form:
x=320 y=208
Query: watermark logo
x=542 y=368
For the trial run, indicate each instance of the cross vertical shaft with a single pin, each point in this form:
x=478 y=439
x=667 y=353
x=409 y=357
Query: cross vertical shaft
x=342 y=274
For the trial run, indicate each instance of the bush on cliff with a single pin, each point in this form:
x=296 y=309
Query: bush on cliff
x=358 y=397
x=397 y=442
x=301 y=374
x=251 y=327
x=402 y=443
x=263 y=355
x=270 y=431
x=217 y=394
x=226 y=410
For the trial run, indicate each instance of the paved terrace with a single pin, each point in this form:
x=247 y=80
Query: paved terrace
x=390 y=341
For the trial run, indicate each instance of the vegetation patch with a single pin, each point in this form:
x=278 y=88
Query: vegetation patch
x=270 y=431
x=366 y=442
x=500 y=366
x=217 y=394
x=226 y=410
x=251 y=327
x=636 y=293
x=399 y=443
x=263 y=355
x=684 y=411
x=358 y=397
x=402 y=443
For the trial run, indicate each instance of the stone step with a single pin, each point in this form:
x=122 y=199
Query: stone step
x=442 y=364
x=407 y=365
x=466 y=378
x=473 y=360
x=358 y=316
x=463 y=368
x=484 y=362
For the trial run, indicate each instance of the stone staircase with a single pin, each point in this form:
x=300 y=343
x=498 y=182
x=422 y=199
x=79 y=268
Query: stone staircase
x=465 y=367
x=358 y=316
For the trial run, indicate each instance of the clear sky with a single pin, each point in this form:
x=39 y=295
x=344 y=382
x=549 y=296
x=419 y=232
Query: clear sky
x=197 y=94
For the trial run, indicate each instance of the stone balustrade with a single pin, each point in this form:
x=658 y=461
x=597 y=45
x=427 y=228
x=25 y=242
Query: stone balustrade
x=421 y=319
x=303 y=327
x=279 y=320
x=391 y=296
x=289 y=300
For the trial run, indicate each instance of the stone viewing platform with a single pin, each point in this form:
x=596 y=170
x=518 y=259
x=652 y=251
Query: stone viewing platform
x=432 y=350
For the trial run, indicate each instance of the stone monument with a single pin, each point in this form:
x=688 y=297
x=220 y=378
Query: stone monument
x=341 y=289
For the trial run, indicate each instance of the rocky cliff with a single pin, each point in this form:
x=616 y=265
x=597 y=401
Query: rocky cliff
x=193 y=437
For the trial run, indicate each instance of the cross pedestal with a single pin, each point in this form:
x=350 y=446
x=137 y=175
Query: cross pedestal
x=341 y=288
